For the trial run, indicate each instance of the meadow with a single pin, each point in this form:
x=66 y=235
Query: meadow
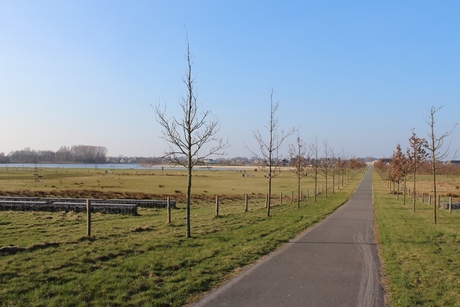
x=145 y=183
x=420 y=259
x=46 y=259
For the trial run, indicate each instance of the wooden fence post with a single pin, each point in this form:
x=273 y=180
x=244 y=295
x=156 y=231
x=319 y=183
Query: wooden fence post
x=168 y=211
x=450 y=205
x=217 y=206
x=292 y=196
x=88 y=218
x=245 y=202
x=281 y=198
x=266 y=200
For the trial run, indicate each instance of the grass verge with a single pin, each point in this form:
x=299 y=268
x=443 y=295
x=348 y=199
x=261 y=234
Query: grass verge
x=138 y=260
x=421 y=263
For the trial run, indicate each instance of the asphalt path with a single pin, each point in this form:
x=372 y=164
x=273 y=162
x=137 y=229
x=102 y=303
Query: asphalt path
x=334 y=263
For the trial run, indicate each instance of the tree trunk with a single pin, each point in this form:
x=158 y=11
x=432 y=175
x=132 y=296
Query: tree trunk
x=433 y=169
x=269 y=192
x=404 y=197
x=188 y=233
x=415 y=192
x=298 y=192
x=326 y=183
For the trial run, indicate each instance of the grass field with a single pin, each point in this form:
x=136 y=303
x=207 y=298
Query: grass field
x=138 y=260
x=148 y=183
x=447 y=185
x=420 y=259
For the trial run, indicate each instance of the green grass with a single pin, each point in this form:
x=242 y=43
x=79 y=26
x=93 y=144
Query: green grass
x=138 y=260
x=91 y=183
x=420 y=259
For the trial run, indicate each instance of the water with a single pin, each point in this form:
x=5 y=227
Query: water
x=78 y=165
x=110 y=166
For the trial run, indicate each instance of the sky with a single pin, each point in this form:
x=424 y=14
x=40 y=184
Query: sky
x=358 y=75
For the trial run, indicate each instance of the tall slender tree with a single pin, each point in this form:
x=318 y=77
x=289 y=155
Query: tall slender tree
x=188 y=135
x=334 y=170
x=268 y=154
x=436 y=151
x=315 y=164
x=326 y=163
x=299 y=160
x=341 y=166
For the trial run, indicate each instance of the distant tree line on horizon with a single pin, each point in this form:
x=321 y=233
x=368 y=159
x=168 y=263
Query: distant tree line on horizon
x=98 y=155
x=65 y=154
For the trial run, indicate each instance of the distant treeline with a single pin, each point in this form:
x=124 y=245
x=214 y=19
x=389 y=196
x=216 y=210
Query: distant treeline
x=98 y=155
x=65 y=154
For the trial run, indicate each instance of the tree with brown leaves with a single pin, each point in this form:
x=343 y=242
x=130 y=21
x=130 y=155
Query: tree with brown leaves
x=418 y=154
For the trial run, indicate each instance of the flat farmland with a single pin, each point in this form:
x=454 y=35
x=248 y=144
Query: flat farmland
x=447 y=185
x=47 y=260
x=173 y=183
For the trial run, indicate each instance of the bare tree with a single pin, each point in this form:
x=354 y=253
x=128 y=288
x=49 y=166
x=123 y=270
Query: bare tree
x=417 y=154
x=435 y=148
x=189 y=135
x=314 y=154
x=341 y=169
x=334 y=169
x=268 y=155
x=299 y=160
x=326 y=162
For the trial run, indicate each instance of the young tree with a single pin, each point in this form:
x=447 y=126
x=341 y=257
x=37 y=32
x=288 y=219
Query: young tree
x=417 y=154
x=435 y=149
x=341 y=168
x=268 y=155
x=314 y=154
x=334 y=169
x=188 y=135
x=326 y=162
x=398 y=167
x=299 y=160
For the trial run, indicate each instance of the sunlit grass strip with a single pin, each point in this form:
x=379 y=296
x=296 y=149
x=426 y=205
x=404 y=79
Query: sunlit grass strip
x=126 y=183
x=420 y=259
x=138 y=260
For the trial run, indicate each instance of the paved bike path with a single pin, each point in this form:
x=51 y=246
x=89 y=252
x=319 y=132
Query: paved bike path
x=334 y=263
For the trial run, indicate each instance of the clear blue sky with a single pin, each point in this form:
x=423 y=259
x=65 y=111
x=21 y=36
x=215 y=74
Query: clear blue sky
x=357 y=74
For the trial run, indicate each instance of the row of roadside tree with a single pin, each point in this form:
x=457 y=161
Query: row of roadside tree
x=424 y=155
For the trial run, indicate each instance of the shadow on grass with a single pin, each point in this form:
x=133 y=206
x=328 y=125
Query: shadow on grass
x=14 y=249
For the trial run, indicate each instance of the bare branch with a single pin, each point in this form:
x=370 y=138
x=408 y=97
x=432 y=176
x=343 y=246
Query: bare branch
x=435 y=144
x=187 y=136
x=268 y=154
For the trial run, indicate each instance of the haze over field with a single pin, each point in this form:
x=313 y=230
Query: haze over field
x=358 y=75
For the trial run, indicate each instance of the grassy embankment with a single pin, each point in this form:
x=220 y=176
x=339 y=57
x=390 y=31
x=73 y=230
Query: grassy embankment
x=420 y=259
x=138 y=260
